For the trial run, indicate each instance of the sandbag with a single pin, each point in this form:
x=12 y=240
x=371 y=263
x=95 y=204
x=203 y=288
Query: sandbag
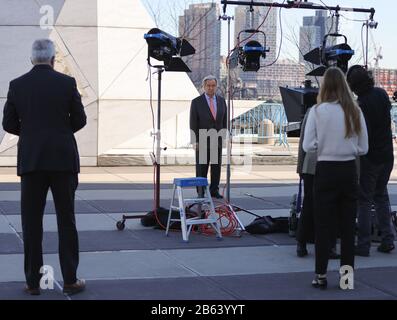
x=149 y=220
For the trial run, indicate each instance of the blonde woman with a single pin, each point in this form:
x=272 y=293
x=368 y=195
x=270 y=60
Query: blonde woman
x=336 y=130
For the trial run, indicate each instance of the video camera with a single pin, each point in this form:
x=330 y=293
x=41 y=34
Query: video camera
x=296 y=102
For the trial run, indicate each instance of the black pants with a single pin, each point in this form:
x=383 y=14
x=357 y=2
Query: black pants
x=373 y=190
x=34 y=189
x=305 y=232
x=212 y=157
x=335 y=200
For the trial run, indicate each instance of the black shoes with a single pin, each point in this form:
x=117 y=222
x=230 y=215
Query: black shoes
x=320 y=281
x=386 y=248
x=216 y=195
x=32 y=291
x=301 y=250
x=74 y=288
x=383 y=247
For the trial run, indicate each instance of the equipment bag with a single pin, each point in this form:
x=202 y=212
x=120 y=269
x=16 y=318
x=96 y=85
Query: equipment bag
x=267 y=224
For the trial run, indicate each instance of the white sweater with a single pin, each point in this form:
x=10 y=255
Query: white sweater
x=325 y=133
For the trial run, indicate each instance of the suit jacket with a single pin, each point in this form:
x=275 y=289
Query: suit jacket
x=201 y=118
x=44 y=109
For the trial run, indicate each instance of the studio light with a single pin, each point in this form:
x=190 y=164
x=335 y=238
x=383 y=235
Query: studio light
x=164 y=47
x=337 y=55
x=249 y=55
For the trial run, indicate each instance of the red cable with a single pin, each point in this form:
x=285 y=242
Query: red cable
x=225 y=212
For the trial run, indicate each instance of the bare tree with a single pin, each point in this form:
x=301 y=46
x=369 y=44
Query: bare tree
x=154 y=11
x=235 y=85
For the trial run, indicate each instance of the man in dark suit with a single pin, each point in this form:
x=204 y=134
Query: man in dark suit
x=208 y=123
x=44 y=109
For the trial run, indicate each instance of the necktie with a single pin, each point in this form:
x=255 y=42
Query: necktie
x=212 y=107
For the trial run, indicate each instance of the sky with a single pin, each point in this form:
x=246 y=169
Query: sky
x=384 y=36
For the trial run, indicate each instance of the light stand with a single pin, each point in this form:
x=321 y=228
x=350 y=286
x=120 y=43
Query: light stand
x=157 y=135
x=369 y=24
x=292 y=5
x=162 y=47
x=156 y=158
x=228 y=113
x=366 y=46
x=229 y=141
x=227 y=18
x=232 y=208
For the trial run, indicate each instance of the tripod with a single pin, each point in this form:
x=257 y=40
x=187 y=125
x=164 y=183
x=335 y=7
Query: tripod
x=155 y=157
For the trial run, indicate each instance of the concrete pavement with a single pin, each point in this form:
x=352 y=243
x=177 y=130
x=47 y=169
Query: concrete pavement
x=141 y=263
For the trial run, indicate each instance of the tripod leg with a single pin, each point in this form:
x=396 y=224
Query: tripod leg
x=215 y=225
x=242 y=228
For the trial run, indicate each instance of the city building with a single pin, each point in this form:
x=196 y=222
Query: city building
x=244 y=19
x=101 y=44
x=386 y=79
x=281 y=74
x=312 y=33
x=201 y=27
x=284 y=73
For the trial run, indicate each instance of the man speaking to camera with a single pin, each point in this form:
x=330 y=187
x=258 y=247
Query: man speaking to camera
x=208 y=123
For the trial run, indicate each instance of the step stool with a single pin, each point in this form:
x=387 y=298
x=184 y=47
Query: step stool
x=186 y=224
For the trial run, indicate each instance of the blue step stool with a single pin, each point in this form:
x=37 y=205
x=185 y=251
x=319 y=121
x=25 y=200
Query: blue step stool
x=186 y=224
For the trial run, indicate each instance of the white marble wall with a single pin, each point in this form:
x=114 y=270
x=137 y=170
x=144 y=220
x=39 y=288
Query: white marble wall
x=100 y=43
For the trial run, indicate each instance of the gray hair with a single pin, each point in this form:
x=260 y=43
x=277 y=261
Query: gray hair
x=43 y=50
x=208 y=78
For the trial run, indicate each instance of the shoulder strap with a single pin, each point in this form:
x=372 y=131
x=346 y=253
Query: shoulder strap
x=299 y=197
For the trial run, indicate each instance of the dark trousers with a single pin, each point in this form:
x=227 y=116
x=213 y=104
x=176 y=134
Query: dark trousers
x=373 y=190
x=335 y=202
x=209 y=157
x=34 y=189
x=305 y=232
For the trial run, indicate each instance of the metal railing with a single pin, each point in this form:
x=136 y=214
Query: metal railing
x=250 y=123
